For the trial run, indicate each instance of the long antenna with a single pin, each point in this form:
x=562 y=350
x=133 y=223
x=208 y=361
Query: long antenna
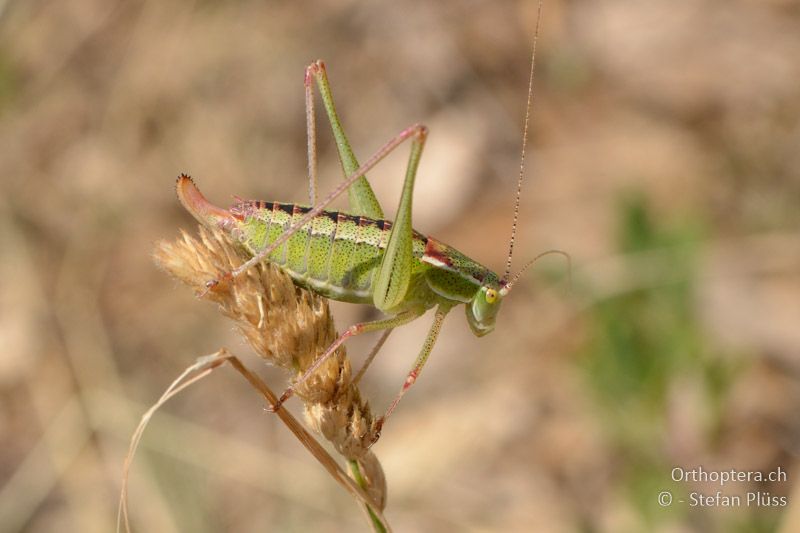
x=510 y=283
x=524 y=143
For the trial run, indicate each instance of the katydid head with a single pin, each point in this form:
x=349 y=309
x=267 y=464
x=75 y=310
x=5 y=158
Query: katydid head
x=483 y=308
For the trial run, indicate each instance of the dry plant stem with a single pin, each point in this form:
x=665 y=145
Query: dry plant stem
x=289 y=327
x=202 y=368
x=354 y=487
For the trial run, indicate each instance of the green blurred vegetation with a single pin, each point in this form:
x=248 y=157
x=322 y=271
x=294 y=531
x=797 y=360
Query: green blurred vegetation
x=644 y=340
x=645 y=336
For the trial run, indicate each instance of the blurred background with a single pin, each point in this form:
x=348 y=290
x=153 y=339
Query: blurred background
x=664 y=158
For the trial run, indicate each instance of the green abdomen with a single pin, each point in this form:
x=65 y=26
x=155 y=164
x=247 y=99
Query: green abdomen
x=336 y=254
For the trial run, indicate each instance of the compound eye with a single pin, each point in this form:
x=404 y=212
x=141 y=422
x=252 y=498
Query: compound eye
x=491 y=296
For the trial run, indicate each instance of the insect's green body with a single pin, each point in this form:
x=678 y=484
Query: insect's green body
x=337 y=255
